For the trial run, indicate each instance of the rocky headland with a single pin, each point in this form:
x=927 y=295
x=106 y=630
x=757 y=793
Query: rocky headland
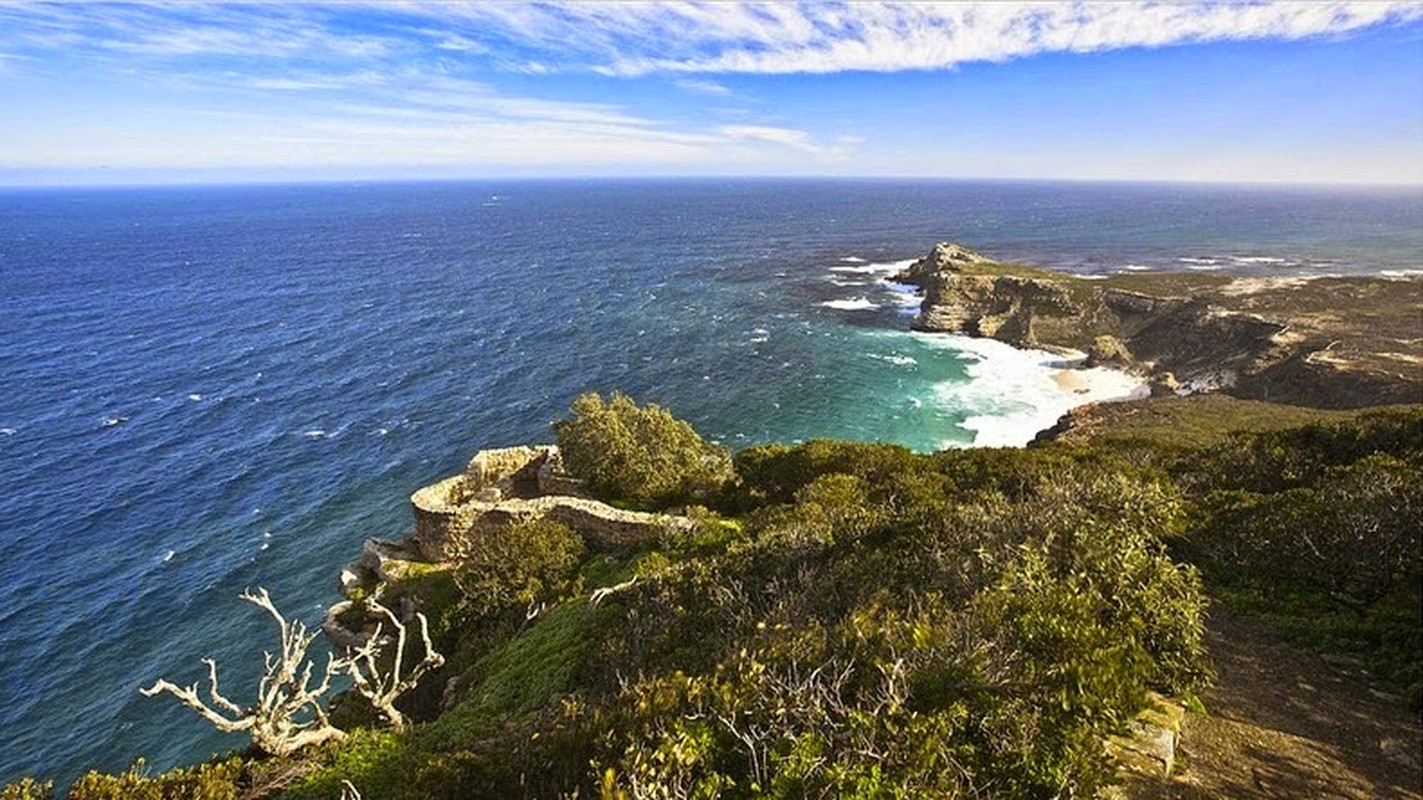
x=1325 y=342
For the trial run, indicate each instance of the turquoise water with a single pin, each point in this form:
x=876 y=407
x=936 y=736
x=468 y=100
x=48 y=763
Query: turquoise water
x=206 y=389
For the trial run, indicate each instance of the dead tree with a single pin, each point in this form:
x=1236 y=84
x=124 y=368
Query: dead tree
x=383 y=687
x=287 y=714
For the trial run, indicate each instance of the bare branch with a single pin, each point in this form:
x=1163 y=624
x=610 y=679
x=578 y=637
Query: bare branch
x=383 y=687
x=288 y=714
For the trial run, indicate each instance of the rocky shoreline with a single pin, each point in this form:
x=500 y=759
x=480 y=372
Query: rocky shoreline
x=1326 y=342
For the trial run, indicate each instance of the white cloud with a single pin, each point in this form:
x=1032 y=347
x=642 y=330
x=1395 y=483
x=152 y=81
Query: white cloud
x=702 y=86
x=699 y=37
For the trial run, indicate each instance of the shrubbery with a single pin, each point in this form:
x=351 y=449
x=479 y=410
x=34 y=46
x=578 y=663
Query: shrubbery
x=866 y=622
x=639 y=455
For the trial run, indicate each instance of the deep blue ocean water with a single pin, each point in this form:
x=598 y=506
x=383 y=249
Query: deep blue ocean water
x=206 y=389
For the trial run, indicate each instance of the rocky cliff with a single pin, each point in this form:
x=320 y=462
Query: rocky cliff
x=1327 y=342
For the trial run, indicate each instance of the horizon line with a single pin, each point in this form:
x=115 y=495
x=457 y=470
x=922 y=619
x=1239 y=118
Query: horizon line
x=180 y=183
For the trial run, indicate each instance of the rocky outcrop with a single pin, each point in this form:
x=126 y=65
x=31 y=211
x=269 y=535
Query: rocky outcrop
x=1277 y=341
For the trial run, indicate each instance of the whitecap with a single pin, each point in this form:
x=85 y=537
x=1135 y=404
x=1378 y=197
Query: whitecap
x=1259 y=260
x=854 y=304
x=196 y=398
x=1136 y=268
x=1194 y=260
x=168 y=556
x=888 y=268
x=315 y=434
x=8 y=431
x=1387 y=273
x=1093 y=277
x=853 y=260
x=110 y=422
x=1204 y=267
x=896 y=359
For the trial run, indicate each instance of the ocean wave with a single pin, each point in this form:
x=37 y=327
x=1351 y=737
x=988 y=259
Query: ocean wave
x=895 y=358
x=1260 y=260
x=853 y=304
x=1013 y=394
x=888 y=268
x=1136 y=268
x=8 y=431
x=1396 y=273
x=852 y=260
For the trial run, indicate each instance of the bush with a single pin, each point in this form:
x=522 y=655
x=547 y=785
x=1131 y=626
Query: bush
x=522 y=564
x=639 y=455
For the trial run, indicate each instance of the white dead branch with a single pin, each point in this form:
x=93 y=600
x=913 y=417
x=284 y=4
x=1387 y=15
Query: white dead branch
x=287 y=714
x=383 y=687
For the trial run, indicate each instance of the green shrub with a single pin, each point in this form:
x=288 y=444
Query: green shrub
x=639 y=455
x=525 y=563
x=217 y=780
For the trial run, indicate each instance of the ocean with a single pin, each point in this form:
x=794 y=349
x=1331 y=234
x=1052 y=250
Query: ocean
x=213 y=388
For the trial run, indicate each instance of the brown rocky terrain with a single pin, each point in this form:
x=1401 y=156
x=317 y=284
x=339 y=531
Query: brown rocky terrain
x=1327 y=342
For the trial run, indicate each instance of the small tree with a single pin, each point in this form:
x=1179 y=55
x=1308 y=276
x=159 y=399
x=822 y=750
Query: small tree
x=639 y=454
x=287 y=714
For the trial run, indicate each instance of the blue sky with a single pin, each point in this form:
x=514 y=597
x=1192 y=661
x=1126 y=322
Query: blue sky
x=1289 y=92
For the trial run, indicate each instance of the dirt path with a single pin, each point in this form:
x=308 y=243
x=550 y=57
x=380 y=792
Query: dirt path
x=1287 y=724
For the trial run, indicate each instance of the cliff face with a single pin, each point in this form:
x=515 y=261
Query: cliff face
x=1330 y=342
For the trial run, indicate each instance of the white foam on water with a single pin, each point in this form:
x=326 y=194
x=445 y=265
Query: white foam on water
x=896 y=359
x=196 y=398
x=1013 y=394
x=1136 y=268
x=8 y=431
x=110 y=422
x=1259 y=260
x=853 y=260
x=1387 y=273
x=1194 y=260
x=853 y=304
x=888 y=268
x=1093 y=277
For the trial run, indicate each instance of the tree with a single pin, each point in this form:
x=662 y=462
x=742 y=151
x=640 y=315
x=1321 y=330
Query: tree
x=639 y=454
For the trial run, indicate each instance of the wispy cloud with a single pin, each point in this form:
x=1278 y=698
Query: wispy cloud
x=701 y=37
x=702 y=86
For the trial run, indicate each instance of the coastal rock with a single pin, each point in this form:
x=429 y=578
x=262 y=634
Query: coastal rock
x=946 y=256
x=1328 y=342
x=1108 y=351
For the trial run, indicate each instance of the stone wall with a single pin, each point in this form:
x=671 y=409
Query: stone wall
x=520 y=484
x=441 y=512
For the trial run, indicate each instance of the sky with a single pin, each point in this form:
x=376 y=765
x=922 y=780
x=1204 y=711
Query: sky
x=1295 y=92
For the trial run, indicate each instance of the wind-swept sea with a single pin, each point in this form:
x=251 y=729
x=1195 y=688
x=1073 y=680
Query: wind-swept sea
x=206 y=389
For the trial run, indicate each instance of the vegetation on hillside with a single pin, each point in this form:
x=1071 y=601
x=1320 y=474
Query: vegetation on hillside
x=855 y=620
